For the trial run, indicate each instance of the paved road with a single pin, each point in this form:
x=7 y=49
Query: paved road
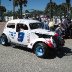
x=22 y=60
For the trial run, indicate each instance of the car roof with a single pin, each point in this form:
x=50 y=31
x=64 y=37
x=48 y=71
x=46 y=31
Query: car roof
x=24 y=21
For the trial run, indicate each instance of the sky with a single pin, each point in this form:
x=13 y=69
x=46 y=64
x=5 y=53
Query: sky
x=32 y=4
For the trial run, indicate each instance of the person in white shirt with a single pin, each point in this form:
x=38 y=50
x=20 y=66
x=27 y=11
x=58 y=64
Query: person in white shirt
x=51 y=25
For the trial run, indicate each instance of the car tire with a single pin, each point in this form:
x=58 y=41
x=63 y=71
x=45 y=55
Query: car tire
x=40 y=50
x=4 y=40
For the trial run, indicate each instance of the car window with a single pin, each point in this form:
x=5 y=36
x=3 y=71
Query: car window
x=24 y=26
x=11 y=25
x=36 y=25
x=21 y=27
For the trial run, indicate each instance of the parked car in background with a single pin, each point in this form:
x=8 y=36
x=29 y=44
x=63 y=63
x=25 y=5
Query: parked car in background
x=30 y=34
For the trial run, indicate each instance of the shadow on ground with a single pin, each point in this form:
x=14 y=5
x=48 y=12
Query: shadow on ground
x=24 y=48
x=64 y=51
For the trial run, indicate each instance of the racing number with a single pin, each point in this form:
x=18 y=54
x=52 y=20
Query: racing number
x=21 y=36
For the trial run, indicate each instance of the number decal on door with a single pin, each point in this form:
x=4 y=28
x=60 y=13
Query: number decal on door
x=21 y=36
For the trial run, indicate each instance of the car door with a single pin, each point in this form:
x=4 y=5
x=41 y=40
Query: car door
x=11 y=31
x=22 y=34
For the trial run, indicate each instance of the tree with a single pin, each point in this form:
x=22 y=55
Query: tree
x=36 y=13
x=68 y=7
x=26 y=11
x=68 y=4
x=50 y=8
x=0 y=2
x=68 y=1
x=2 y=10
x=19 y=3
x=8 y=13
x=57 y=10
x=17 y=13
x=61 y=9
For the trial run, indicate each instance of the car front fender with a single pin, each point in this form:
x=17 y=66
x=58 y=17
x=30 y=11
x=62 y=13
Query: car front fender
x=32 y=43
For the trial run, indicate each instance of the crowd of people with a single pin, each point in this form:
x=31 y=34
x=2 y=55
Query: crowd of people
x=61 y=26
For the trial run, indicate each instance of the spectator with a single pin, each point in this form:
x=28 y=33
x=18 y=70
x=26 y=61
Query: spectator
x=46 y=25
x=51 y=25
x=60 y=30
x=65 y=23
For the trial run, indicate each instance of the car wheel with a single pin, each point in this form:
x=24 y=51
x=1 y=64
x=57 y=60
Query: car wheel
x=40 y=49
x=4 y=40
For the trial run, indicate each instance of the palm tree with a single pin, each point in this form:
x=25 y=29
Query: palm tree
x=62 y=9
x=2 y=10
x=19 y=3
x=51 y=15
x=13 y=8
x=51 y=8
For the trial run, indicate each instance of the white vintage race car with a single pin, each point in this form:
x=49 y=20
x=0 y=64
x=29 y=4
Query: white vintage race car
x=29 y=33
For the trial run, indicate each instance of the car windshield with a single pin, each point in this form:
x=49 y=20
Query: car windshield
x=36 y=25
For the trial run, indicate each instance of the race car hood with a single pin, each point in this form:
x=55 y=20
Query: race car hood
x=43 y=31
